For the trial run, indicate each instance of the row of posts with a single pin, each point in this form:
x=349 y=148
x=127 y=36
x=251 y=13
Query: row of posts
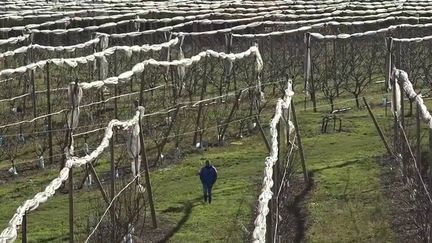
x=29 y=59
x=308 y=88
x=400 y=142
x=393 y=59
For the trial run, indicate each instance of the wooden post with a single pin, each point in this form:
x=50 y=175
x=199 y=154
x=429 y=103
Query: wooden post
x=98 y=183
x=418 y=138
x=228 y=120
x=389 y=44
x=300 y=144
x=430 y=152
x=48 y=97
x=24 y=228
x=402 y=118
x=141 y=94
x=71 y=206
x=147 y=174
x=380 y=133
x=287 y=129
x=395 y=119
x=308 y=70
x=32 y=76
x=263 y=134
x=386 y=101
x=200 y=106
x=276 y=172
x=112 y=188
x=115 y=86
x=269 y=223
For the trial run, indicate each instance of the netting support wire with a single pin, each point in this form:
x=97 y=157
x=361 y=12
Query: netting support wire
x=147 y=174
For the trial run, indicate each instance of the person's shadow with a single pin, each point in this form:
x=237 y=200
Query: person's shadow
x=186 y=208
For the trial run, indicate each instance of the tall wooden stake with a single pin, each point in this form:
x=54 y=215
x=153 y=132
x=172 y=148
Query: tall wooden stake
x=430 y=153
x=32 y=76
x=98 y=183
x=418 y=138
x=300 y=144
x=115 y=86
x=147 y=175
x=395 y=119
x=24 y=228
x=276 y=173
x=402 y=117
x=200 y=106
x=71 y=206
x=308 y=70
x=257 y=120
x=112 y=188
x=389 y=44
x=380 y=133
x=48 y=97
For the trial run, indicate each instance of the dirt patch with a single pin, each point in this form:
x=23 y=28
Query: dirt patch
x=294 y=214
x=397 y=199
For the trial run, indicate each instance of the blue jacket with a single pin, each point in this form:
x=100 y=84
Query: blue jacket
x=208 y=175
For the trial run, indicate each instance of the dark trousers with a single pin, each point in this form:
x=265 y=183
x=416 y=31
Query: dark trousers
x=207 y=192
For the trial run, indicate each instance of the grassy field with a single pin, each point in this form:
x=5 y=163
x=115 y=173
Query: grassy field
x=346 y=203
x=178 y=197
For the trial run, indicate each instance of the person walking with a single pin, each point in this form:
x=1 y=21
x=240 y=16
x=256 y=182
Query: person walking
x=208 y=176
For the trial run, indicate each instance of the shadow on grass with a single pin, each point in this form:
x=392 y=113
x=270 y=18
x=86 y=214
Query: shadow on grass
x=296 y=208
x=335 y=166
x=186 y=208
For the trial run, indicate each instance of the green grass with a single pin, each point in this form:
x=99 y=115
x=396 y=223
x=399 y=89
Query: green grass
x=346 y=203
x=228 y=218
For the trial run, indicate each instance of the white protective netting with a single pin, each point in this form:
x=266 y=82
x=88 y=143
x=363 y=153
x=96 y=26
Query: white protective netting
x=10 y=233
x=259 y=233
